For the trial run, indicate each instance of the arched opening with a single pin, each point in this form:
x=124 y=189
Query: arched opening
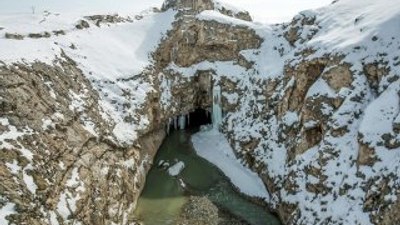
x=193 y=120
x=198 y=118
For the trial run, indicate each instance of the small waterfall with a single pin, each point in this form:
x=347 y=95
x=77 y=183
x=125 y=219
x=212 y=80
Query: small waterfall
x=182 y=122
x=170 y=121
x=216 y=108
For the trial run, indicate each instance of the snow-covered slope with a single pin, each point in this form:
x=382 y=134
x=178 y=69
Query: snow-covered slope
x=106 y=54
x=350 y=118
x=318 y=111
x=71 y=88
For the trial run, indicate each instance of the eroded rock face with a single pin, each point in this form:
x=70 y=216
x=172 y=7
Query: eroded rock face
x=58 y=166
x=196 y=6
x=66 y=166
x=204 y=41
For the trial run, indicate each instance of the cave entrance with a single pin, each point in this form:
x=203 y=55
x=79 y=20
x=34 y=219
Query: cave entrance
x=192 y=120
x=198 y=118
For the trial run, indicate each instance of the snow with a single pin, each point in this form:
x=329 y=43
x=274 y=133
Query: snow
x=216 y=16
x=68 y=199
x=13 y=167
x=30 y=184
x=108 y=56
x=12 y=133
x=321 y=88
x=176 y=169
x=213 y=146
x=53 y=218
x=290 y=118
x=380 y=114
x=74 y=180
x=266 y=11
x=76 y=6
x=47 y=123
x=62 y=206
x=6 y=210
x=347 y=24
x=130 y=163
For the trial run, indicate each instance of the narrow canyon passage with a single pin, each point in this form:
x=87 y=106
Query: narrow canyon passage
x=179 y=174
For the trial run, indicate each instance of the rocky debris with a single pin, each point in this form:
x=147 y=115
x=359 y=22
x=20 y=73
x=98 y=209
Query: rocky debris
x=198 y=6
x=201 y=211
x=44 y=34
x=39 y=35
x=375 y=72
x=82 y=24
x=14 y=36
x=302 y=28
x=243 y=15
x=107 y=19
x=58 y=32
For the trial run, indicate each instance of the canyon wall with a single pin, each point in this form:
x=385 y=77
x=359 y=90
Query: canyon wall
x=312 y=109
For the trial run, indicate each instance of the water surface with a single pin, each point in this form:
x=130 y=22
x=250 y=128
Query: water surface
x=163 y=195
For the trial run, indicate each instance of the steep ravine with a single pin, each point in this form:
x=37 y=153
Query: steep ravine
x=312 y=106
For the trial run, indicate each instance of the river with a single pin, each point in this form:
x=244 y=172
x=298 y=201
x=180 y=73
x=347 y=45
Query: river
x=164 y=195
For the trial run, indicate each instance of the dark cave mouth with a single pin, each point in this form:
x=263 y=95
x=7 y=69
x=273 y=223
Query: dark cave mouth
x=192 y=120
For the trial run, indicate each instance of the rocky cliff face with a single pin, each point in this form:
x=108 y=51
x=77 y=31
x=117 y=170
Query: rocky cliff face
x=312 y=109
x=55 y=167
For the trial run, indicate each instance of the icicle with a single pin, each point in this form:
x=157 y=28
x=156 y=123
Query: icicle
x=169 y=126
x=176 y=123
x=216 y=108
x=182 y=122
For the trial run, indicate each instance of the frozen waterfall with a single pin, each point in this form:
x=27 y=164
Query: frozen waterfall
x=216 y=107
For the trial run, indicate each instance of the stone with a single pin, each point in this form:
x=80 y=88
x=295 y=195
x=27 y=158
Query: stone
x=14 y=36
x=338 y=77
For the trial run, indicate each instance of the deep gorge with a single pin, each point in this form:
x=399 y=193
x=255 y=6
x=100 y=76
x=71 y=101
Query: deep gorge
x=309 y=111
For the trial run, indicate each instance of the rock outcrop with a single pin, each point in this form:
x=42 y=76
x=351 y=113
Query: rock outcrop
x=54 y=167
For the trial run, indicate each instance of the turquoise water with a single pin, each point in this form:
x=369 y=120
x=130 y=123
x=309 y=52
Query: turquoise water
x=163 y=195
